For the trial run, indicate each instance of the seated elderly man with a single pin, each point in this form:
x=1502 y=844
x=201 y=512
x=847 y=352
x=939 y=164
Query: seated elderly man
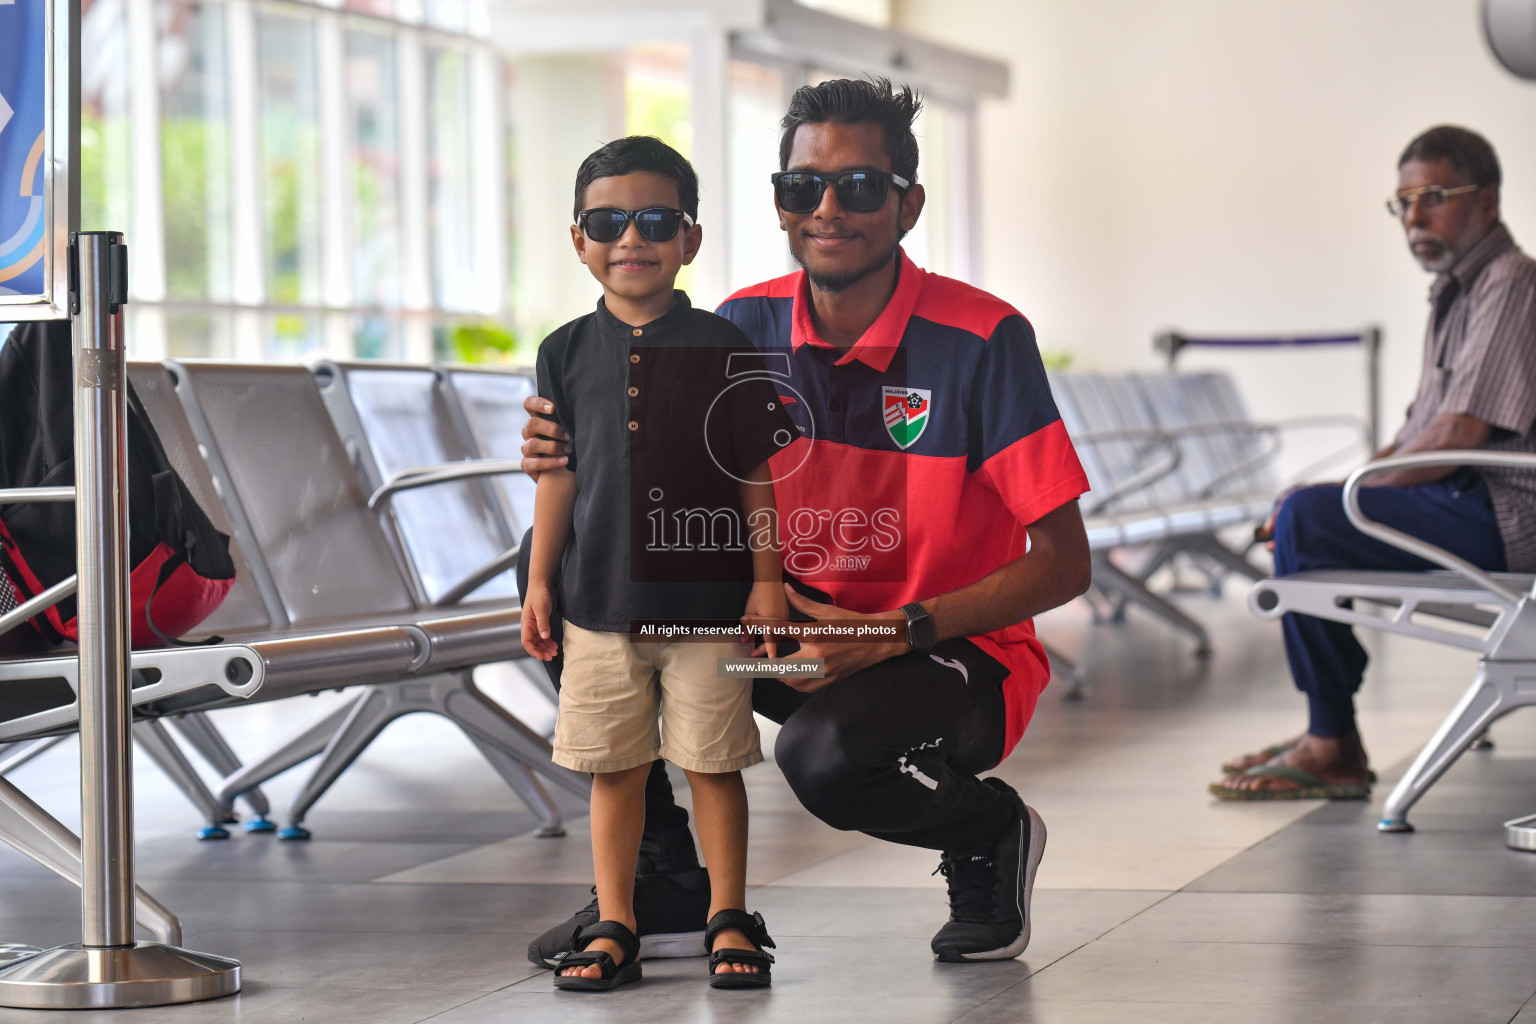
x=1477 y=389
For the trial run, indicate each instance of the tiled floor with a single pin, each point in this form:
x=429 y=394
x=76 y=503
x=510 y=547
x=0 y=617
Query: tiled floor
x=423 y=884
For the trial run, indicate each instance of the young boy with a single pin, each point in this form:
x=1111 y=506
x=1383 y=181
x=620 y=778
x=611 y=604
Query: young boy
x=657 y=516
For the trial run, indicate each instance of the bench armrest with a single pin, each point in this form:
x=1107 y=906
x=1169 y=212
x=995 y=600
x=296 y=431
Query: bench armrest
x=1354 y=424
x=1142 y=478
x=410 y=479
x=1413 y=545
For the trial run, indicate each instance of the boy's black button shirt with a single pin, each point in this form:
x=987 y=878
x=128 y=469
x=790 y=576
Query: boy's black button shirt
x=664 y=424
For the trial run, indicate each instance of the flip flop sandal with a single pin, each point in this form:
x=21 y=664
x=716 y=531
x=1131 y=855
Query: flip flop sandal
x=753 y=926
x=614 y=974
x=1272 y=752
x=1269 y=753
x=1308 y=786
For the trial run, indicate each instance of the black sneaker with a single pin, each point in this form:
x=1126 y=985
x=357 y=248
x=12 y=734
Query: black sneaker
x=989 y=892
x=670 y=913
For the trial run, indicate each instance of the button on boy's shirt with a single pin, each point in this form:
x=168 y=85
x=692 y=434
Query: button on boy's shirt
x=664 y=427
x=927 y=448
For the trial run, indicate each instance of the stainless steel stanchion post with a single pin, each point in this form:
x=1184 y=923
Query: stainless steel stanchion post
x=107 y=969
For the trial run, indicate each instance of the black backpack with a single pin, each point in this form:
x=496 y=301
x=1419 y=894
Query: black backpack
x=181 y=567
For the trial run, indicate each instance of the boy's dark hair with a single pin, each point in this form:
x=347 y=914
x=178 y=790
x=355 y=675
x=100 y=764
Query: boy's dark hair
x=1464 y=150
x=857 y=101
x=636 y=154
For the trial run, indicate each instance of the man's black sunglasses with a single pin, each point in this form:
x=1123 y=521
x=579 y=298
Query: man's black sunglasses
x=656 y=223
x=857 y=191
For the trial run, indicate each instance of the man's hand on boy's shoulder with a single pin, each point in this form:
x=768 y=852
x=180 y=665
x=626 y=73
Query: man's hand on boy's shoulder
x=546 y=445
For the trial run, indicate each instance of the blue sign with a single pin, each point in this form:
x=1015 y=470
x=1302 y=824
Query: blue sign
x=23 y=108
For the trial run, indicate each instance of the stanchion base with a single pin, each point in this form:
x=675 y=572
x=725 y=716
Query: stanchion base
x=1520 y=834
x=147 y=974
x=15 y=952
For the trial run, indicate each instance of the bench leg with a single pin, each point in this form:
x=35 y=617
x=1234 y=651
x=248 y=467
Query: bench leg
x=155 y=740
x=1208 y=545
x=199 y=731
x=455 y=697
x=14 y=758
x=1132 y=589
x=1063 y=665
x=39 y=836
x=1165 y=553
x=1494 y=693
x=296 y=749
x=522 y=782
x=368 y=716
x=483 y=719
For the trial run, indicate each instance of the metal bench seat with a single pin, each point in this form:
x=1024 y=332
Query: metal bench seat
x=1172 y=460
x=1460 y=606
x=320 y=554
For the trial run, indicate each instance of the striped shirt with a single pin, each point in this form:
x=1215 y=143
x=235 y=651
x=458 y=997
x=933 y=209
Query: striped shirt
x=1480 y=361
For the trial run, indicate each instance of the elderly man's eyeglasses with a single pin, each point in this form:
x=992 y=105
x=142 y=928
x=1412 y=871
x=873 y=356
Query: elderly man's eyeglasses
x=1430 y=197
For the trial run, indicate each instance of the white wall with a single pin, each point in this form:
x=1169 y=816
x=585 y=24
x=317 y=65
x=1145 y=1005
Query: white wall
x=1220 y=165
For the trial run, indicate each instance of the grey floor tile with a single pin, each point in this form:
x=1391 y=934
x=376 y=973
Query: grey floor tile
x=260 y=1003
x=677 y=992
x=1064 y=919
x=257 y=858
x=466 y=962
x=1011 y=1008
x=1453 y=980
x=1336 y=919
x=518 y=912
x=1339 y=850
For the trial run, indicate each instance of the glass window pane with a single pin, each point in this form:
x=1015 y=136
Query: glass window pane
x=375 y=168
x=104 y=155
x=451 y=15
x=198 y=336
x=656 y=95
x=290 y=156
x=292 y=337
x=378 y=337
x=759 y=250
x=450 y=181
x=194 y=148
x=656 y=103
x=930 y=242
x=381 y=8
x=508 y=85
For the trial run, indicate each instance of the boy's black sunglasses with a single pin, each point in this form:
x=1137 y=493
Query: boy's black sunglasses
x=857 y=191
x=607 y=224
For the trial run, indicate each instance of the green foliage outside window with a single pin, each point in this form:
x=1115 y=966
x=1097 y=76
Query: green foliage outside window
x=479 y=343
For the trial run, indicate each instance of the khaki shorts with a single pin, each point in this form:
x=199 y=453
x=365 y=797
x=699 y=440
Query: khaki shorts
x=612 y=691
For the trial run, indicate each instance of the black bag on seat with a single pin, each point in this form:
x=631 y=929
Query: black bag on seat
x=181 y=568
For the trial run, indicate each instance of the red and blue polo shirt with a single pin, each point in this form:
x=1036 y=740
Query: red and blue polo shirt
x=925 y=451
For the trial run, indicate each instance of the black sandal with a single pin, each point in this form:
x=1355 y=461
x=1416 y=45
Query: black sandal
x=753 y=926
x=614 y=974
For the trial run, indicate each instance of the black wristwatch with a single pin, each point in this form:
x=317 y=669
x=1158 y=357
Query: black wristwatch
x=922 y=634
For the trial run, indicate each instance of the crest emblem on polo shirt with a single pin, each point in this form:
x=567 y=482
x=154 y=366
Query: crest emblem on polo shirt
x=906 y=414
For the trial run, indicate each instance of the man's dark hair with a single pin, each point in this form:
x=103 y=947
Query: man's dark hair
x=639 y=154
x=858 y=101
x=1464 y=150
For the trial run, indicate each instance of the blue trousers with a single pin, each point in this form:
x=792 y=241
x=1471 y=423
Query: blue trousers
x=1312 y=532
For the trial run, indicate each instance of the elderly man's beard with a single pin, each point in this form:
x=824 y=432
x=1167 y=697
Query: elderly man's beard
x=1437 y=260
